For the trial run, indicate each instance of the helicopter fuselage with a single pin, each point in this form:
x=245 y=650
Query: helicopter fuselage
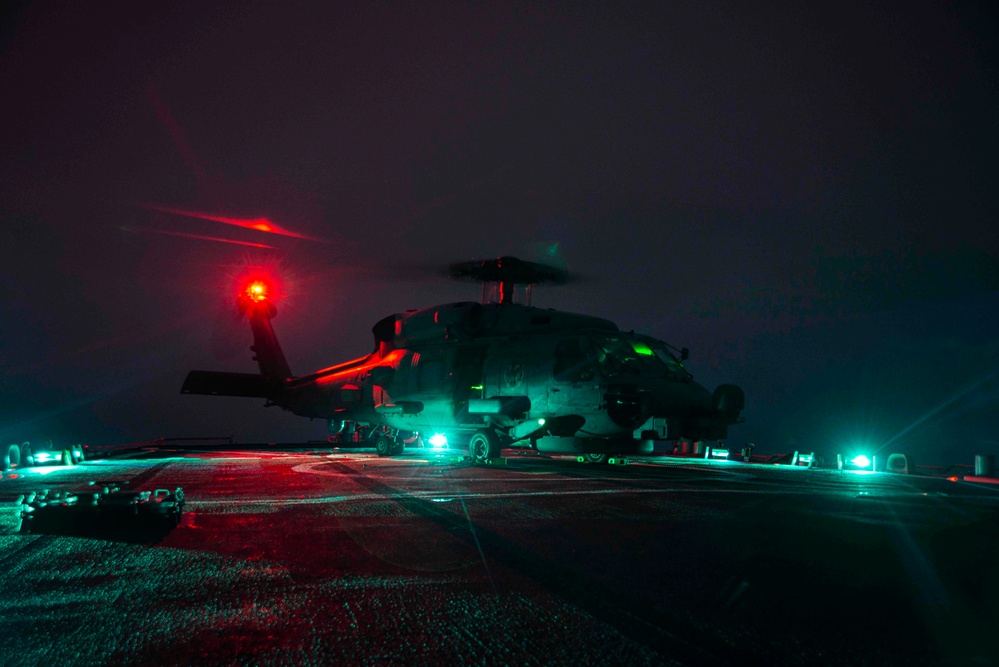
x=502 y=372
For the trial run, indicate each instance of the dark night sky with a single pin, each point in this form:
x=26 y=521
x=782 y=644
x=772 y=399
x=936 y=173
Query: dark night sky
x=803 y=195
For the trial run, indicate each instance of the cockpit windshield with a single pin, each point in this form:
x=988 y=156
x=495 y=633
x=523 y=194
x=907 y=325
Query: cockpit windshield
x=619 y=355
x=625 y=354
x=673 y=364
x=578 y=357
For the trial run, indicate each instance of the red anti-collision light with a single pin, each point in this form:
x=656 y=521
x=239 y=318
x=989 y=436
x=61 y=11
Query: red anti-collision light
x=257 y=286
x=256 y=291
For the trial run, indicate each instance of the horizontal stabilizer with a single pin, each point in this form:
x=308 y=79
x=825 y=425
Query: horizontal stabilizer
x=216 y=383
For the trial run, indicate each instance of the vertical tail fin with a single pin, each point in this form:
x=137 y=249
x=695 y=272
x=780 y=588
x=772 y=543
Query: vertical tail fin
x=267 y=351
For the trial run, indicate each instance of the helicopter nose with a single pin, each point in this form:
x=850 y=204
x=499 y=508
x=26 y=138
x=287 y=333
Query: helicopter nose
x=729 y=399
x=626 y=406
x=663 y=398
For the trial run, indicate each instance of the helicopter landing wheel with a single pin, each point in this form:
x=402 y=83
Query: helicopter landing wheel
x=596 y=458
x=383 y=445
x=397 y=447
x=484 y=445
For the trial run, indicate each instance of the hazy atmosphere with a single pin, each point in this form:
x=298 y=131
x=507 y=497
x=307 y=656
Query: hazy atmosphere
x=804 y=196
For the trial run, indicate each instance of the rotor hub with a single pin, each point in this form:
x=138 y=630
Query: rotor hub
x=506 y=273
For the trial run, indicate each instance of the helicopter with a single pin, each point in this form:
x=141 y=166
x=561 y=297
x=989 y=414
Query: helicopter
x=489 y=375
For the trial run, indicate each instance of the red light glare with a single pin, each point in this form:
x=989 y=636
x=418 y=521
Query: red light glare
x=265 y=285
x=256 y=291
x=216 y=239
x=257 y=285
x=256 y=224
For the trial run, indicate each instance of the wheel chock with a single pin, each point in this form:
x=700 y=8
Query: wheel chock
x=612 y=461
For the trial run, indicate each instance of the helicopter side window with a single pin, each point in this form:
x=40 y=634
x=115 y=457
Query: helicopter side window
x=617 y=356
x=572 y=363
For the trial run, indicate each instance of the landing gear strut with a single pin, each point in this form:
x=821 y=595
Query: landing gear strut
x=389 y=444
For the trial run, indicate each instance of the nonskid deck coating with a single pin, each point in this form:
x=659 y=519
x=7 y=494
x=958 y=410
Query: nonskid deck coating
x=294 y=558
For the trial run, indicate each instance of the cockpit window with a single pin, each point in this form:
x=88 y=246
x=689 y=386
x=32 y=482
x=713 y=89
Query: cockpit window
x=673 y=364
x=641 y=348
x=619 y=355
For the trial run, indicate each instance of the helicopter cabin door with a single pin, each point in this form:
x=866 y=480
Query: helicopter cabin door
x=574 y=388
x=519 y=368
x=468 y=368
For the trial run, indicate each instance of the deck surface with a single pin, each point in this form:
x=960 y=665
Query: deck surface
x=320 y=557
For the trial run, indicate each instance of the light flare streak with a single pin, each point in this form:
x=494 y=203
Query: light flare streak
x=256 y=224
x=201 y=237
x=940 y=408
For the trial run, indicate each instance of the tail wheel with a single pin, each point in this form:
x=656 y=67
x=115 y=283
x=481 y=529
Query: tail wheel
x=596 y=458
x=67 y=457
x=383 y=445
x=484 y=445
